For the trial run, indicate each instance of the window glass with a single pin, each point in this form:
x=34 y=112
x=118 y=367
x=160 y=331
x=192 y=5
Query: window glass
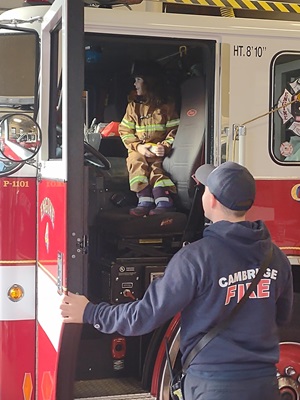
x=285 y=121
x=18 y=71
x=55 y=115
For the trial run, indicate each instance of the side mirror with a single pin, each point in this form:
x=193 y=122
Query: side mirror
x=8 y=167
x=20 y=138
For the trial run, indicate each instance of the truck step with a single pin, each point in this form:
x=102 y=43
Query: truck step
x=141 y=396
x=110 y=389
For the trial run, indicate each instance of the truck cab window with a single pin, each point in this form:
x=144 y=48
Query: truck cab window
x=286 y=100
x=18 y=71
x=55 y=101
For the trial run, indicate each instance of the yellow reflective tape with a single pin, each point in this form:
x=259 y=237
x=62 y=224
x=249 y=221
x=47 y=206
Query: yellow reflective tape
x=219 y=3
x=296 y=7
x=290 y=248
x=250 y=5
x=9 y=262
x=234 y=4
x=265 y=5
x=244 y=4
x=281 y=7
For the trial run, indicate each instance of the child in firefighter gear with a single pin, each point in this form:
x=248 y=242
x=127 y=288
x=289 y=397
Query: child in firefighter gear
x=147 y=131
x=204 y=281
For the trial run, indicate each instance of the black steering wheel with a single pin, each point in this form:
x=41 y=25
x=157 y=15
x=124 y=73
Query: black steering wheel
x=94 y=157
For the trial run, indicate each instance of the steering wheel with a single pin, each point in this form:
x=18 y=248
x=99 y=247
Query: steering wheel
x=94 y=157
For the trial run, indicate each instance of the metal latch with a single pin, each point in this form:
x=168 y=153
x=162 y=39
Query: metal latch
x=82 y=244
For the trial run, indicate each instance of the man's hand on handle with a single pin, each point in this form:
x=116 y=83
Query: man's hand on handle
x=72 y=308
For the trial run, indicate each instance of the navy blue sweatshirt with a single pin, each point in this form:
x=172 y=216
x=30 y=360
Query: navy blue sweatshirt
x=204 y=280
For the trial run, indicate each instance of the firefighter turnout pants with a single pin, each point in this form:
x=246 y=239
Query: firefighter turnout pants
x=147 y=170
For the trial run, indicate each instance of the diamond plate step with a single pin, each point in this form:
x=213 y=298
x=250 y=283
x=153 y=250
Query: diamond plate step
x=142 y=396
x=110 y=389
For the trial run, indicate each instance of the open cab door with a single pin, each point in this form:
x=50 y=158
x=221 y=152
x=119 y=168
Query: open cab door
x=19 y=142
x=61 y=234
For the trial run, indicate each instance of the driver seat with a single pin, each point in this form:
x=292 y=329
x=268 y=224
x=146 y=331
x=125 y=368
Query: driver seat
x=128 y=236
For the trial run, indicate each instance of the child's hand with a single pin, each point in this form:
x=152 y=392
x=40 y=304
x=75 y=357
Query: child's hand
x=144 y=149
x=158 y=150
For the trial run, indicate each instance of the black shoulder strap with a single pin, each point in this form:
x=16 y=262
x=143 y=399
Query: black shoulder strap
x=195 y=217
x=223 y=324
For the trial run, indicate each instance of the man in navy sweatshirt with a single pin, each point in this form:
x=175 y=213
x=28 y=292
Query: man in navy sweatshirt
x=204 y=281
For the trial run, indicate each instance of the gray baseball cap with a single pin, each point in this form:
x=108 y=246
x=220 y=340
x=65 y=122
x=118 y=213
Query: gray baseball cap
x=230 y=183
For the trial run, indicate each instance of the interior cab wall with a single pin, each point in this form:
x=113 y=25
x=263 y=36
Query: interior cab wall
x=109 y=61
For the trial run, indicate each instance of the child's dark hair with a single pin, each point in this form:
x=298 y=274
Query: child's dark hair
x=155 y=91
x=154 y=81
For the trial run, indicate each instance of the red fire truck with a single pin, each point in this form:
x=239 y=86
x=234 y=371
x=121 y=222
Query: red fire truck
x=64 y=82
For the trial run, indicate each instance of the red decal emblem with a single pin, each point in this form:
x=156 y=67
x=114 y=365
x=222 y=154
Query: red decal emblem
x=191 y=113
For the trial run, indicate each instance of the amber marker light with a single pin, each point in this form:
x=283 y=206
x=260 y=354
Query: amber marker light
x=15 y=293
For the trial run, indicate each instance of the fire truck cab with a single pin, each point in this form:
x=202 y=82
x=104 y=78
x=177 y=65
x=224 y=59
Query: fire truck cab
x=65 y=198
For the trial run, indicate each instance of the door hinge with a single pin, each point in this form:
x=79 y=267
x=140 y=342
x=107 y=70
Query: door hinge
x=82 y=244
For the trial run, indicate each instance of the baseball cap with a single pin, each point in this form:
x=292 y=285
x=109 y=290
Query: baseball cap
x=230 y=183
